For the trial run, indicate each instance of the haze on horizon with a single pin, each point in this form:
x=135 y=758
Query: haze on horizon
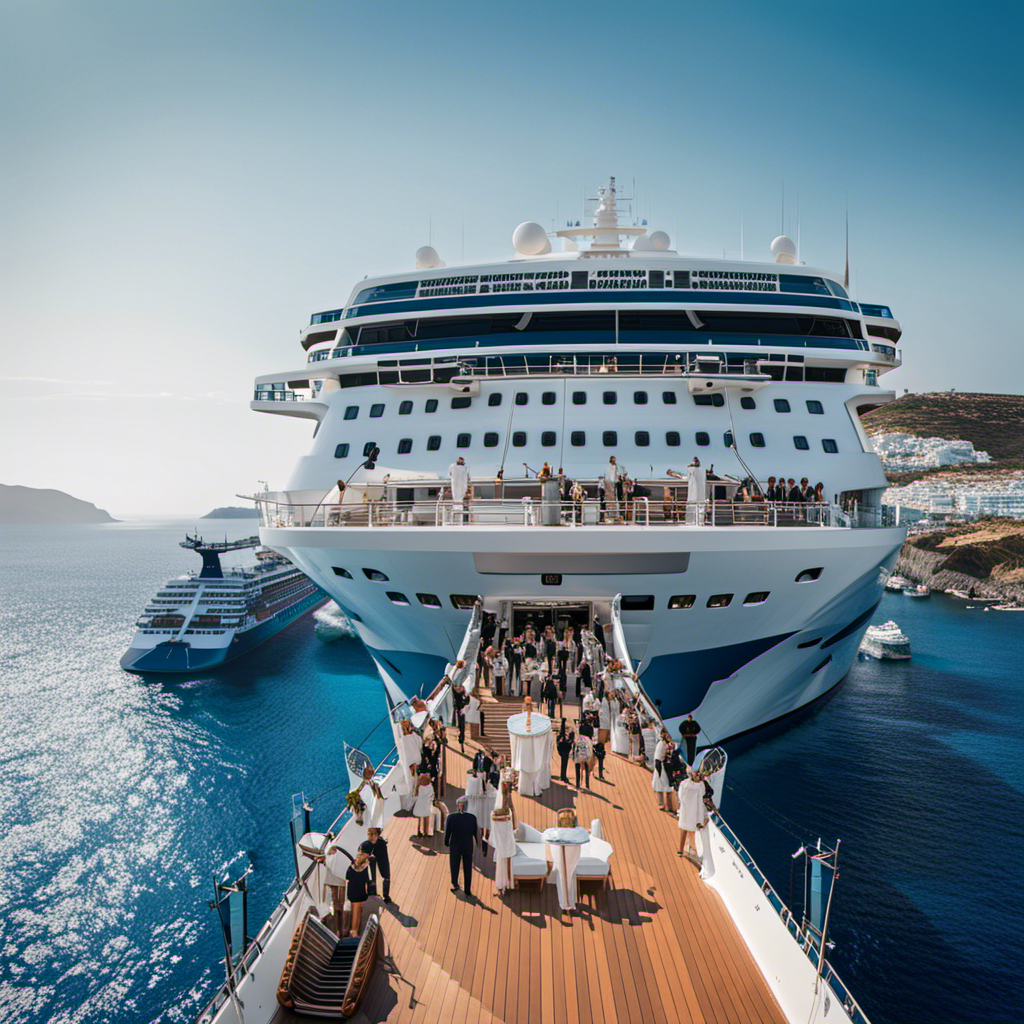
x=186 y=183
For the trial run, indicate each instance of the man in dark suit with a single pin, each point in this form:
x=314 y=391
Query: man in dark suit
x=689 y=732
x=460 y=837
x=482 y=762
x=380 y=863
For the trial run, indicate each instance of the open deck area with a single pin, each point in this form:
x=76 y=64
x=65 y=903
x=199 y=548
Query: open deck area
x=657 y=945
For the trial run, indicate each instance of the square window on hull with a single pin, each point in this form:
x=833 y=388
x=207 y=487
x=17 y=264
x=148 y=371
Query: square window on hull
x=429 y=600
x=682 y=601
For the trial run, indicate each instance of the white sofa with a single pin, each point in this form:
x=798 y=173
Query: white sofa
x=530 y=861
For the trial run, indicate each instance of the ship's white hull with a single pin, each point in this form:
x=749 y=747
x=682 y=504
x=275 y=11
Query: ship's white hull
x=735 y=667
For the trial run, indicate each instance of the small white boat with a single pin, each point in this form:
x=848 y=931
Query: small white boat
x=962 y=594
x=887 y=643
x=896 y=583
x=919 y=591
x=1007 y=608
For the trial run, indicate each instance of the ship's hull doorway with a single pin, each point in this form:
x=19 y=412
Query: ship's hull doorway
x=538 y=615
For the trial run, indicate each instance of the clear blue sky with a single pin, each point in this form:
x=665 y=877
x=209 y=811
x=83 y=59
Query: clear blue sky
x=184 y=183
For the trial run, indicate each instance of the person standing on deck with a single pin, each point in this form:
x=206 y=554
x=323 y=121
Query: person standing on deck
x=460 y=836
x=459 y=701
x=458 y=474
x=692 y=814
x=380 y=863
x=583 y=755
x=689 y=731
x=499 y=668
x=549 y=694
x=612 y=476
x=357 y=879
x=564 y=744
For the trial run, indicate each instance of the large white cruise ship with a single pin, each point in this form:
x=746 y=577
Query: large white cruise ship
x=738 y=611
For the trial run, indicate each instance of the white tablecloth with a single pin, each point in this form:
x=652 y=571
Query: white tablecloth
x=531 y=752
x=563 y=849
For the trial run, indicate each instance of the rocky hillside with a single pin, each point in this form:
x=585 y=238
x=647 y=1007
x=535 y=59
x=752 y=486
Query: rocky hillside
x=42 y=505
x=987 y=555
x=992 y=423
x=232 y=512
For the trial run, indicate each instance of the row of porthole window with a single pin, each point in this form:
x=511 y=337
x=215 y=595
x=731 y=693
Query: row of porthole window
x=578 y=439
x=629 y=602
x=579 y=398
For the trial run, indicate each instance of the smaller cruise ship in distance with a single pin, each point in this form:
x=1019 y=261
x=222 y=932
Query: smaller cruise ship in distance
x=202 y=620
x=886 y=642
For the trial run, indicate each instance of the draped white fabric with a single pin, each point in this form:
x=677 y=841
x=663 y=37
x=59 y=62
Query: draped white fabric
x=696 y=491
x=562 y=848
x=531 y=752
x=691 y=804
x=503 y=843
x=409 y=747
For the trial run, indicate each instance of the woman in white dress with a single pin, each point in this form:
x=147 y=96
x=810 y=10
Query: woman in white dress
x=659 y=780
x=691 y=811
x=473 y=716
x=604 y=719
x=376 y=808
x=620 y=734
x=477 y=803
x=650 y=737
x=423 y=808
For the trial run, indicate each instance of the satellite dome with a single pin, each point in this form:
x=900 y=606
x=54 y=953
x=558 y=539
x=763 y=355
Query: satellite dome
x=784 y=250
x=660 y=241
x=642 y=244
x=530 y=239
x=426 y=257
x=569 y=245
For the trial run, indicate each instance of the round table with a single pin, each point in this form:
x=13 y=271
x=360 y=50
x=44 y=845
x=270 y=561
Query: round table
x=531 y=752
x=563 y=846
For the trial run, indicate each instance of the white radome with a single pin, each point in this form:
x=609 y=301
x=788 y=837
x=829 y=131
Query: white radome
x=427 y=257
x=643 y=244
x=660 y=241
x=530 y=239
x=783 y=246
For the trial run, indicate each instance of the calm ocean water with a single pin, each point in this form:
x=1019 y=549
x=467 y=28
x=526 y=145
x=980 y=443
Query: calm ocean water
x=119 y=796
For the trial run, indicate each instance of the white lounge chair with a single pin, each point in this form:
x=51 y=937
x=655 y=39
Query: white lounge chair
x=529 y=864
x=594 y=864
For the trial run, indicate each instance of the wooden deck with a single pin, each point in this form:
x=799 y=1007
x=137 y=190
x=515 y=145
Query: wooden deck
x=656 y=946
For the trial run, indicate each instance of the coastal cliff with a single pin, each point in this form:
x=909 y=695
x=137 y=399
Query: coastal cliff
x=46 y=506
x=987 y=555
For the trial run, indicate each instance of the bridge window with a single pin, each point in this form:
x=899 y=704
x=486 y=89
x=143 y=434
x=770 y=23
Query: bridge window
x=343 y=573
x=703 y=438
x=405 y=408
x=462 y=440
x=746 y=402
x=682 y=601
x=637 y=603
x=668 y=397
x=610 y=397
x=491 y=439
x=830 y=446
x=397 y=597
x=809 y=575
x=578 y=438
x=522 y=398
x=548 y=439
x=494 y=398
x=639 y=397
x=800 y=442
x=376 y=575
x=519 y=439
x=405 y=446
x=462 y=402
x=720 y=600
x=814 y=406
x=341 y=451
x=351 y=412
x=642 y=438
x=579 y=398
x=782 y=405
x=429 y=600
x=672 y=438
x=431 y=405
x=757 y=440
x=377 y=410
x=758 y=597
x=548 y=398
x=610 y=438
x=433 y=442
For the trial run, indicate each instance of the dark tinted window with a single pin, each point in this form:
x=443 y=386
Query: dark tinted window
x=376 y=575
x=814 y=406
x=782 y=405
x=672 y=438
x=639 y=397
x=668 y=397
x=808 y=575
x=829 y=445
x=351 y=412
x=431 y=405
x=522 y=398
x=397 y=597
x=610 y=438
x=800 y=442
x=720 y=600
x=579 y=398
x=462 y=402
x=433 y=442
x=547 y=398
x=547 y=438
x=490 y=439
x=727 y=439
x=682 y=601
x=343 y=573
x=494 y=398
x=610 y=397
x=405 y=408
x=642 y=438
x=703 y=439
x=405 y=446
x=757 y=440
x=341 y=451
x=578 y=438
x=519 y=438
x=714 y=398
x=637 y=603
x=758 y=597
x=462 y=440
x=377 y=410
x=430 y=600
x=746 y=402
x=368 y=447
x=463 y=601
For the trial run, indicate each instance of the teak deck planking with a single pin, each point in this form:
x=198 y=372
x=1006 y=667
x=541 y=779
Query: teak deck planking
x=656 y=946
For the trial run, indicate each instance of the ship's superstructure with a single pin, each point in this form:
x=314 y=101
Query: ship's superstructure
x=738 y=611
x=201 y=620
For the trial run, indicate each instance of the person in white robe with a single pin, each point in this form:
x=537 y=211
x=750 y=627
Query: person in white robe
x=692 y=814
x=696 y=492
x=458 y=474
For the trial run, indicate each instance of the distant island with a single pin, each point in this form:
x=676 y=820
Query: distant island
x=43 y=505
x=232 y=512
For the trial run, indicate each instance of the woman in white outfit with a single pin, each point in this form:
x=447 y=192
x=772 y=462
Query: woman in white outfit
x=423 y=808
x=620 y=734
x=691 y=810
x=473 y=716
x=659 y=780
x=478 y=801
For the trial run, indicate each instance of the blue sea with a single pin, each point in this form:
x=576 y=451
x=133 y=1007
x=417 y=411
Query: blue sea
x=120 y=796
